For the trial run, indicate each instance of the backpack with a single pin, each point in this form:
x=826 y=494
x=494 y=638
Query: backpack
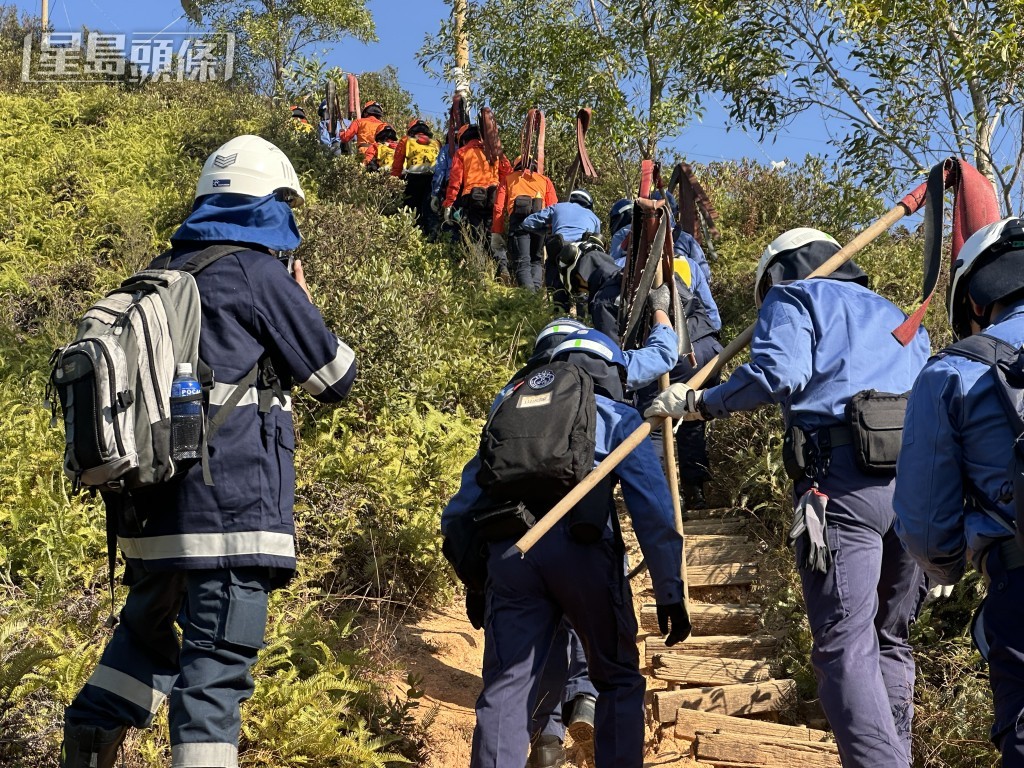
x=539 y=442
x=114 y=379
x=1007 y=365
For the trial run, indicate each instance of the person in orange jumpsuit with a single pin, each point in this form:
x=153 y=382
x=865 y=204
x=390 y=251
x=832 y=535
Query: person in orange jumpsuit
x=523 y=191
x=364 y=130
x=472 y=183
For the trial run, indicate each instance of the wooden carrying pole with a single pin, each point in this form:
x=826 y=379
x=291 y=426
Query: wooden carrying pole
x=908 y=205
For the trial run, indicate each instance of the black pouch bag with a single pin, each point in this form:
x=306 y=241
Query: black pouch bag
x=505 y=521
x=482 y=197
x=522 y=205
x=466 y=550
x=876 y=429
x=794 y=453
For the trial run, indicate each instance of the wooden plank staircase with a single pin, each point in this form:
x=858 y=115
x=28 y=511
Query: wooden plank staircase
x=716 y=691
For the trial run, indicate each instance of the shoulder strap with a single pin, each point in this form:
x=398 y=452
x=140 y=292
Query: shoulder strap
x=199 y=260
x=982 y=348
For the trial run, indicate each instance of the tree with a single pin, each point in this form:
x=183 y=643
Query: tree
x=560 y=55
x=273 y=35
x=899 y=85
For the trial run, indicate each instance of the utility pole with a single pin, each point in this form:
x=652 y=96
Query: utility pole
x=46 y=15
x=461 y=49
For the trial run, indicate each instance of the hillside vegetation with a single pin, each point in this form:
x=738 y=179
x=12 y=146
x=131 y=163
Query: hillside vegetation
x=93 y=181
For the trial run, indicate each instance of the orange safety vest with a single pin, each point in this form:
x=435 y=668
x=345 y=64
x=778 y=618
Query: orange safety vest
x=519 y=183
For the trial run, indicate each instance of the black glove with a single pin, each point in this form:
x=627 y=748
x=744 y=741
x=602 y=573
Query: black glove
x=660 y=298
x=677 y=616
x=475 y=608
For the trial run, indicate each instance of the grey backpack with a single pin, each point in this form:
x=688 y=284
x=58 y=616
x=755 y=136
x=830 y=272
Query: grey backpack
x=114 y=379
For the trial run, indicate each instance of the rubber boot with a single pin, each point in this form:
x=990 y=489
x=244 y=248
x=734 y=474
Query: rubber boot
x=86 y=746
x=547 y=752
x=694 y=496
x=580 y=724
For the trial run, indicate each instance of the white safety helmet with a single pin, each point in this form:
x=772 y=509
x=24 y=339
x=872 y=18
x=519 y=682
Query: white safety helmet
x=582 y=197
x=249 y=165
x=784 y=244
x=989 y=267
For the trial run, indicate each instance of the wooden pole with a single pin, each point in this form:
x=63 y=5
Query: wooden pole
x=611 y=461
x=461 y=48
x=46 y=15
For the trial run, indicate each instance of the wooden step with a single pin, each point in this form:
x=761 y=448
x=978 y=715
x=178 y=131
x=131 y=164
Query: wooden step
x=729 y=749
x=690 y=721
x=711 y=619
x=736 y=699
x=721 y=575
x=722 y=527
x=703 y=670
x=729 y=646
x=715 y=513
x=712 y=550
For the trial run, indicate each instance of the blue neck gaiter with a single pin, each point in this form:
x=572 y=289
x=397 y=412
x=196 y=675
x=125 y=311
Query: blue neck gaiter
x=264 y=221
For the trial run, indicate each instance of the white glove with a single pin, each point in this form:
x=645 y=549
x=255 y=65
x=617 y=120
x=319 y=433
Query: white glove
x=435 y=204
x=447 y=214
x=938 y=593
x=679 y=401
x=497 y=243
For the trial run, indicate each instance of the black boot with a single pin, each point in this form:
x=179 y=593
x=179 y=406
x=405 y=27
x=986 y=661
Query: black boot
x=547 y=752
x=86 y=746
x=580 y=722
x=694 y=496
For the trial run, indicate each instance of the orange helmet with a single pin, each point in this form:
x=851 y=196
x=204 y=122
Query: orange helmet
x=372 y=108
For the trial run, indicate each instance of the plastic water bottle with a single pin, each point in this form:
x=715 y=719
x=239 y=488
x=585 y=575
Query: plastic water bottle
x=186 y=414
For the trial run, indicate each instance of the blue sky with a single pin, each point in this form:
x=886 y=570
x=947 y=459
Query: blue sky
x=401 y=26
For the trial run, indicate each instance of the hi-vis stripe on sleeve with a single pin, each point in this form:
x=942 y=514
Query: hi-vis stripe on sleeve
x=331 y=373
x=221 y=392
x=126 y=687
x=205 y=545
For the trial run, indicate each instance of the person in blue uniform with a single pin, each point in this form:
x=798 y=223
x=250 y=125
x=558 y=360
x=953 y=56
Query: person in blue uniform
x=816 y=344
x=528 y=597
x=563 y=224
x=204 y=558
x=954 y=500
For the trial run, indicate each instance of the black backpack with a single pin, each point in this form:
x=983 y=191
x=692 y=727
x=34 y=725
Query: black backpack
x=539 y=442
x=1007 y=364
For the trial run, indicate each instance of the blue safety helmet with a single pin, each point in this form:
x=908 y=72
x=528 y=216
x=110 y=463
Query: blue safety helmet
x=591 y=342
x=553 y=334
x=620 y=215
x=600 y=357
x=582 y=197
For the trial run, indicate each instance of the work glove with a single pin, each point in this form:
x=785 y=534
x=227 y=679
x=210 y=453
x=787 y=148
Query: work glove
x=809 y=524
x=679 y=401
x=447 y=214
x=475 y=602
x=660 y=298
x=939 y=592
x=435 y=204
x=497 y=243
x=677 y=617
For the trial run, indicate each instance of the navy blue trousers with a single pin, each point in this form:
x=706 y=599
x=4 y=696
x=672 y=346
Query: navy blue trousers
x=527 y=598
x=525 y=255
x=563 y=679
x=222 y=615
x=860 y=613
x=1004 y=631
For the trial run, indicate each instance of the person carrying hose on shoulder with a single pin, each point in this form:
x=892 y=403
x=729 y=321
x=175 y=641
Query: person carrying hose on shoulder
x=956 y=502
x=364 y=130
x=524 y=191
x=818 y=346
